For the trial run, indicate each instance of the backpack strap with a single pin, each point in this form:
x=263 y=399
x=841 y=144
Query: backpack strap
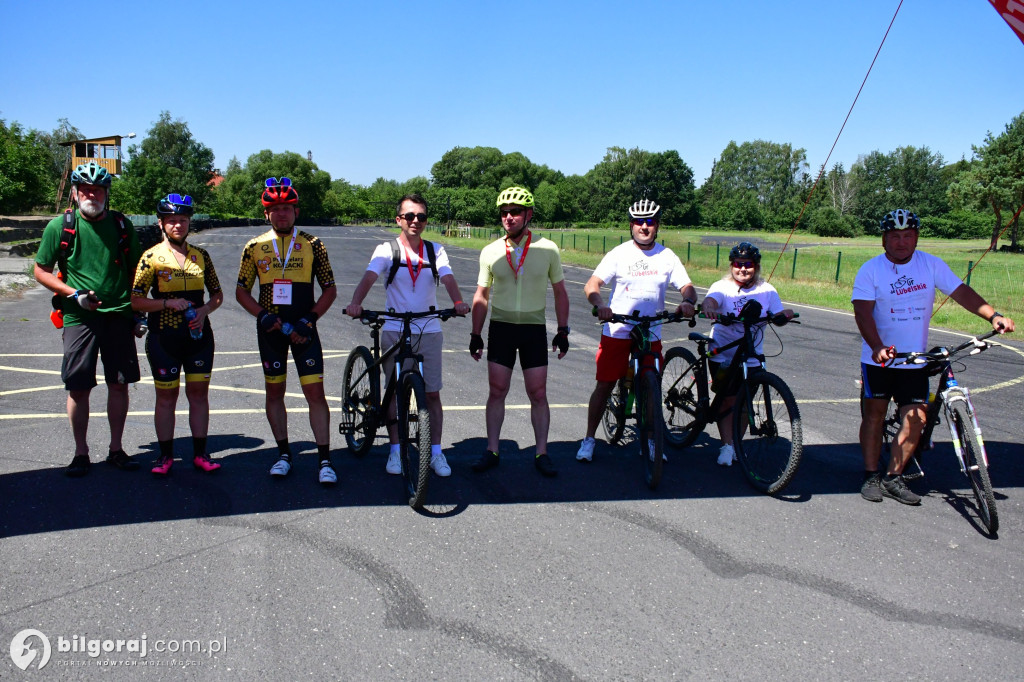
x=123 y=244
x=396 y=261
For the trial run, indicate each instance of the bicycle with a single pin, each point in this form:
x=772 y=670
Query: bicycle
x=767 y=432
x=363 y=410
x=954 y=401
x=641 y=387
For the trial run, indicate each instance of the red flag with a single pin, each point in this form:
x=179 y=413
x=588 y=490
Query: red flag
x=1013 y=12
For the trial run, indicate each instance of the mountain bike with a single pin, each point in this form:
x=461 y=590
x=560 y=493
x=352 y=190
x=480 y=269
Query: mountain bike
x=953 y=400
x=640 y=389
x=363 y=409
x=767 y=433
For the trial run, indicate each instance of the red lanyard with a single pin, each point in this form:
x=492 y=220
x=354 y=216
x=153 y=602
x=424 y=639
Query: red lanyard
x=522 y=261
x=413 y=272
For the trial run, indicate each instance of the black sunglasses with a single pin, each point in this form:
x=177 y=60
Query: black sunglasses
x=644 y=221
x=409 y=217
x=511 y=211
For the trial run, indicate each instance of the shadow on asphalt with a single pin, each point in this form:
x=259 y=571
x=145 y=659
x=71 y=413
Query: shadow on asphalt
x=45 y=500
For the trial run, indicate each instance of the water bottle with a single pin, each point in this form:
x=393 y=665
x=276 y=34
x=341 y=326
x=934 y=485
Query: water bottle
x=287 y=328
x=191 y=314
x=628 y=385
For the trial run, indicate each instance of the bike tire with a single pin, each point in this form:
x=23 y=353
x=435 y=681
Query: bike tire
x=414 y=437
x=650 y=426
x=362 y=399
x=613 y=419
x=769 y=441
x=975 y=466
x=679 y=404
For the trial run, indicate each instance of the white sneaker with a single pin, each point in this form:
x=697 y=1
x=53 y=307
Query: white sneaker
x=650 y=449
x=281 y=468
x=726 y=455
x=327 y=475
x=586 y=453
x=440 y=465
x=394 y=463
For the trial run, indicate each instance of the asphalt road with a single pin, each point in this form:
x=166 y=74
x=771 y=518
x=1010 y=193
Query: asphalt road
x=508 y=575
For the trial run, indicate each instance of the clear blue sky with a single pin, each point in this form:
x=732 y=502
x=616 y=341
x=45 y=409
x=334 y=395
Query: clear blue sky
x=383 y=89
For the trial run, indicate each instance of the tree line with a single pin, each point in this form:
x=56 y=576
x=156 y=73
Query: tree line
x=754 y=185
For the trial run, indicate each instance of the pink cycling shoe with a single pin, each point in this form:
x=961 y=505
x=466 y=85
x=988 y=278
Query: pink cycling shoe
x=162 y=466
x=203 y=463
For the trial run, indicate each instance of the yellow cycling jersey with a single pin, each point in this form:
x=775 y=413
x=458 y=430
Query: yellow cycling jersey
x=519 y=297
x=158 y=272
x=307 y=260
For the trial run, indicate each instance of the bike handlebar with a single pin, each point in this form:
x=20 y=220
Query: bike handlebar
x=665 y=317
x=374 y=316
x=778 y=319
x=977 y=344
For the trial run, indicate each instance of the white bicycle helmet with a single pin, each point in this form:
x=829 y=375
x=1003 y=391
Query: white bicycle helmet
x=645 y=208
x=900 y=219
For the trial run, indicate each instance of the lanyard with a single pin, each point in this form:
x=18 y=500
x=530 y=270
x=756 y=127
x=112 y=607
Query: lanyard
x=522 y=261
x=413 y=272
x=277 y=253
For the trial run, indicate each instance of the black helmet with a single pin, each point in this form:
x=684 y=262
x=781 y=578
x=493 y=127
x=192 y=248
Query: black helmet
x=745 y=250
x=900 y=219
x=175 y=204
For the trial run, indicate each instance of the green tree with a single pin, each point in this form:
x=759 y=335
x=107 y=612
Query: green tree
x=487 y=167
x=624 y=176
x=25 y=181
x=908 y=177
x=242 y=187
x=168 y=160
x=996 y=179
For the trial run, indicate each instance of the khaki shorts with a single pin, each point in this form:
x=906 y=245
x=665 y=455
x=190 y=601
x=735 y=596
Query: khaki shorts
x=427 y=345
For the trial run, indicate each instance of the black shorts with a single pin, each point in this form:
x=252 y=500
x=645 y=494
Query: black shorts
x=171 y=351
x=109 y=336
x=308 y=357
x=505 y=338
x=905 y=386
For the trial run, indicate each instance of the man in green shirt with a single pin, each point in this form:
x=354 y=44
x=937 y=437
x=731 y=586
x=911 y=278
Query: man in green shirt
x=513 y=281
x=97 y=255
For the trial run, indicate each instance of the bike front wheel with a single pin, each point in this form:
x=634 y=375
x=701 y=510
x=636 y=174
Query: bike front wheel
x=767 y=433
x=975 y=466
x=680 y=403
x=414 y=437
x=650 y=426
x=613 y=419
x=362 y=396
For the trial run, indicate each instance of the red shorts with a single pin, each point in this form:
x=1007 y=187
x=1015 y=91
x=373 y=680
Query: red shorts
x=613 y=357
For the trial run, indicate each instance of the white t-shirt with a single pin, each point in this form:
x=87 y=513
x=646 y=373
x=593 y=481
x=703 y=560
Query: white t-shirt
x=903 y=296
x=402 y=295
x=731 y=299
x=638 y=279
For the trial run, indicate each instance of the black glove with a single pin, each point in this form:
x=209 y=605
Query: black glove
x=267 y=320
x=303 y=328
x=561 y=342
x=476 y=344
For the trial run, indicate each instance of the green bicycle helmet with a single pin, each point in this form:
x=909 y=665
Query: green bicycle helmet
x=519 y=196
x=91 y=174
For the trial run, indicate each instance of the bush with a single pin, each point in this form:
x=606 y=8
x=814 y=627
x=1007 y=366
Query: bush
x=959 y=225
x=828 y=222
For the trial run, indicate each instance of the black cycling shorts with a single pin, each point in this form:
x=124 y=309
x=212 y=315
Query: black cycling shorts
x=504 y=339
x=108 y=336
x=905 y=386
x=172 y=353
x=308 y=357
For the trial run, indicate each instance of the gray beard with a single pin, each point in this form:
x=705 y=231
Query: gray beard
x=91 y=208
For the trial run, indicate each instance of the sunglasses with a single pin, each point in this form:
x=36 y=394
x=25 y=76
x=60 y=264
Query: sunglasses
x=748 y=264
x=644 y=221
x=409 y=217
x=285 y=182
x=179 y=200
x=511 y=211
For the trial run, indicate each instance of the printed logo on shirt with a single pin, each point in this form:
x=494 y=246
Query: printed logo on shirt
x=905 y=285
x=640 y=268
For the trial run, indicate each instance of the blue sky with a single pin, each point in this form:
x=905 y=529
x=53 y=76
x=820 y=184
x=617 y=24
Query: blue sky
x=383 y=89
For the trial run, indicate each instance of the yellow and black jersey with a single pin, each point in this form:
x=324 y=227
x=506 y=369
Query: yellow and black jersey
x=159 y=274
x=308 y=259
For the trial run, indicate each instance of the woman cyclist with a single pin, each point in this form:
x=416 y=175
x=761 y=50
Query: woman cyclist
x=728 y=295
x=180 y=338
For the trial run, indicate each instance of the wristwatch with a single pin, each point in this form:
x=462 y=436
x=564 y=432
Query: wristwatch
x=563 y=330
x=995 y=315
x=690 y=301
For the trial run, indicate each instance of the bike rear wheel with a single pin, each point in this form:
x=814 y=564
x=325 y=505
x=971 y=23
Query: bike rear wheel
x=613 y=419
x=362 y=397
x=767 y=433
x=650 y=425
x=975 y=466
x=414 y=437
x=679 y=407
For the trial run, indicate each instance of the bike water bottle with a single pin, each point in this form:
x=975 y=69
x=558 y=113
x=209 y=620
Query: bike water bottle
x=191 y=314
x=628 y=386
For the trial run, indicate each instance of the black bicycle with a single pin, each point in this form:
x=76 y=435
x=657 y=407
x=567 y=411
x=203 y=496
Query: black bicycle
x=364 y=410
x=640 y=389
x=767 y=433
x=954 y=401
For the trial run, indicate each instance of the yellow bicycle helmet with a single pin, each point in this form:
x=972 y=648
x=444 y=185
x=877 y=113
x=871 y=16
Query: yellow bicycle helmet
x=520 y=196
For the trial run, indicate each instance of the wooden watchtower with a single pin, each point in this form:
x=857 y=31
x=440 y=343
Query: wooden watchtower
x=106 y=151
